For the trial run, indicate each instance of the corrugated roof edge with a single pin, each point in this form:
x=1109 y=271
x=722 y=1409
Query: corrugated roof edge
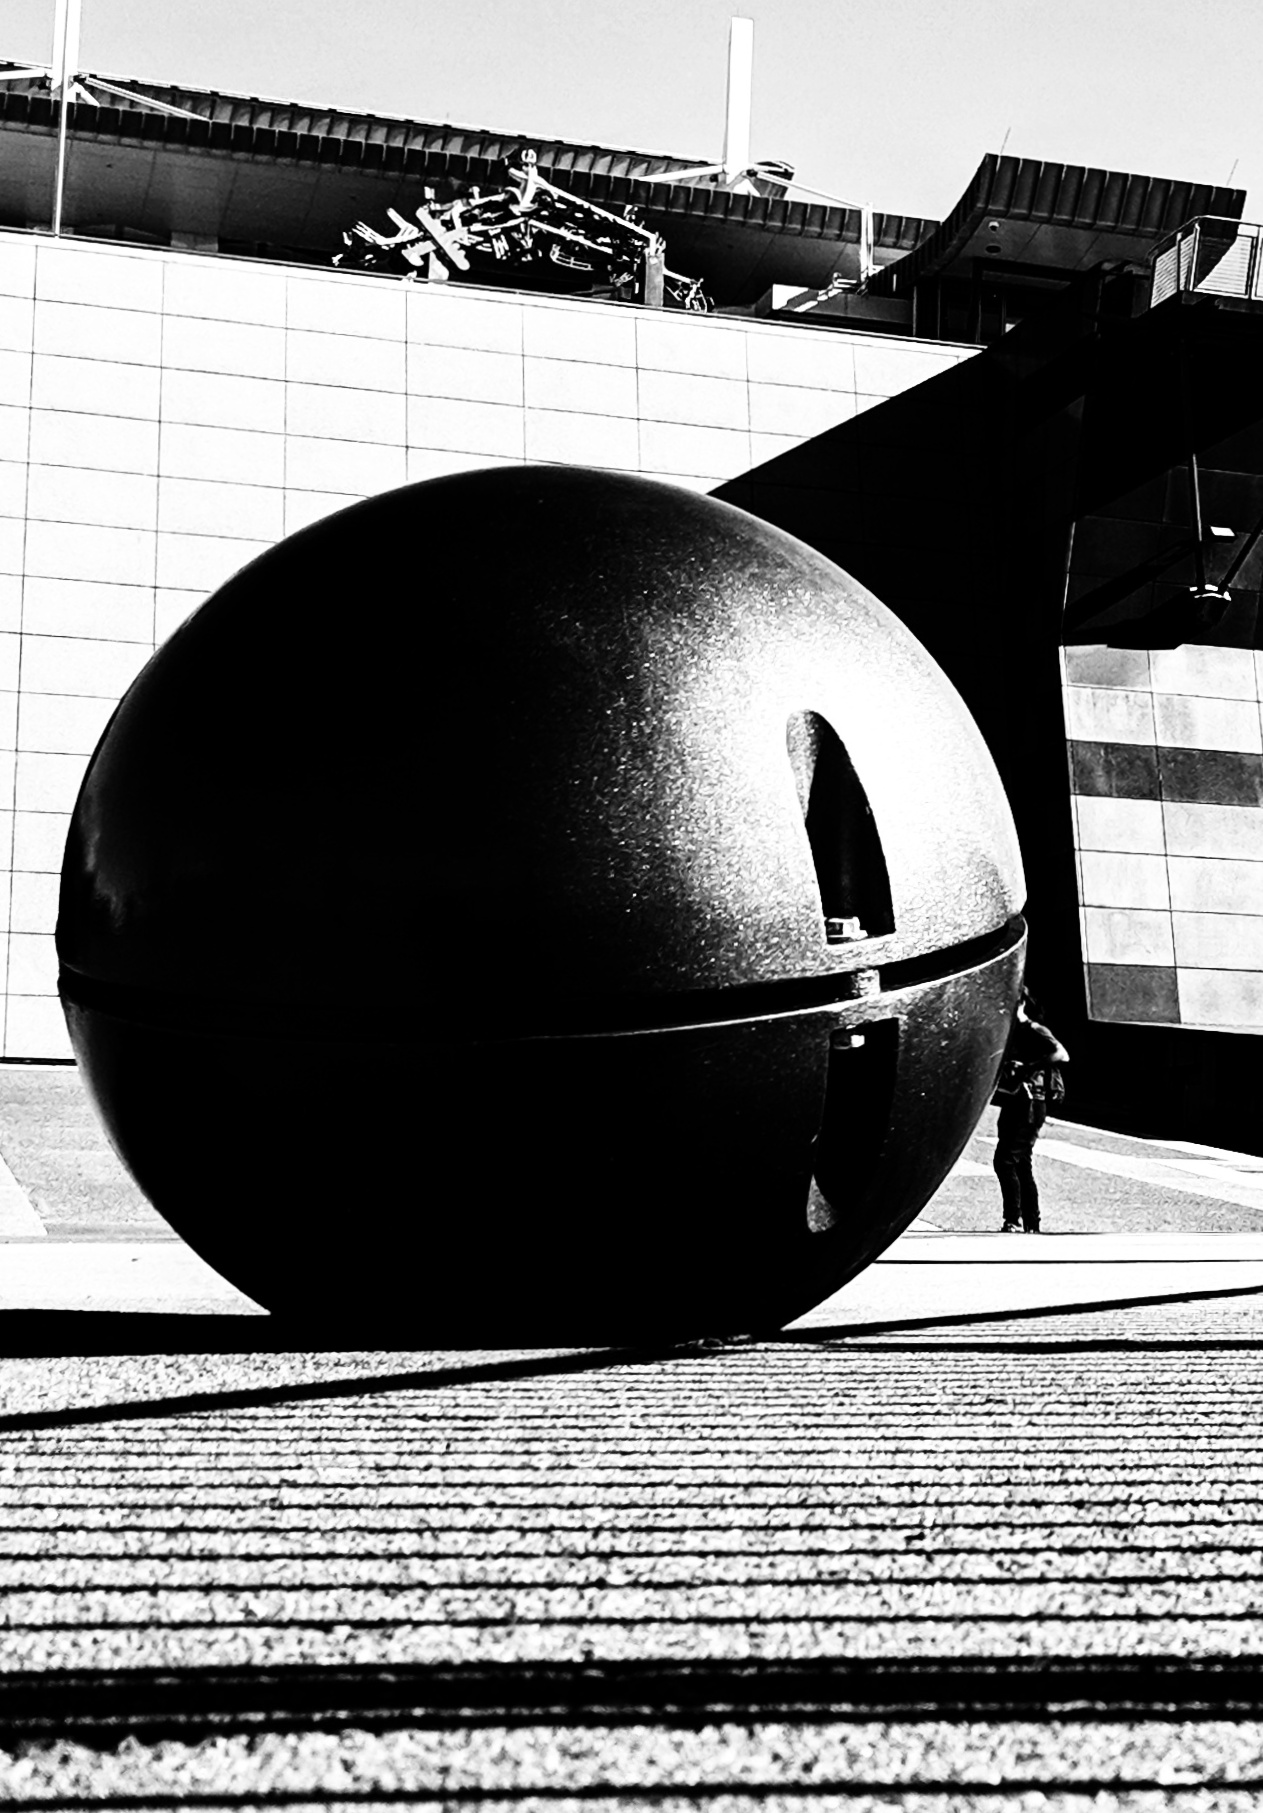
x=277 y=129
x=1077 y=195
x=369 y=128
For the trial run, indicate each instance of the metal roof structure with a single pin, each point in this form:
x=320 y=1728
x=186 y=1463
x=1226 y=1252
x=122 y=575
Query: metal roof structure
x=286 y=180
x=1064 y=217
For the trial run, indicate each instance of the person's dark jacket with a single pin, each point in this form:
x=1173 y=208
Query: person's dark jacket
x=1031 y=1050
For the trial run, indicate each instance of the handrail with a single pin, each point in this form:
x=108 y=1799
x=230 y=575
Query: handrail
x=1211 y=256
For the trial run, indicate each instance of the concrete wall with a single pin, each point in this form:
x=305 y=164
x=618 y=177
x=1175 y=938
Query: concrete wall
x=1166 y=761
x=164 y=417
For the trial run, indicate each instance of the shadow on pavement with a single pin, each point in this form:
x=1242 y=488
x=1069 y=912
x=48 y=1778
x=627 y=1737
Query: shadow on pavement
x=185 y=1705
x=838 y=1331
x=422 y=1378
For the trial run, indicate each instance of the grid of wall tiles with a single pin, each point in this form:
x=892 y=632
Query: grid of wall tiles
x=164 y=417
x=1166 y=762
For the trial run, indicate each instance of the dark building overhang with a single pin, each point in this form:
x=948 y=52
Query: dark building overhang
x=1058 y=217
x=286 y=180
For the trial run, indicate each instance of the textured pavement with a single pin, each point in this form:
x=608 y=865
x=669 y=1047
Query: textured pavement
x=913 y=1554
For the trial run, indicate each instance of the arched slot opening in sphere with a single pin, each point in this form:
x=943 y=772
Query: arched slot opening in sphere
x=846 y=849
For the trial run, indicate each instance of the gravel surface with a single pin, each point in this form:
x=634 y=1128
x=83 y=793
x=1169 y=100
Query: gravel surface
x=793 y=1573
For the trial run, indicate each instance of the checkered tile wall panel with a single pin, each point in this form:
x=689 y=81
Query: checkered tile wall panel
x=1166 y=769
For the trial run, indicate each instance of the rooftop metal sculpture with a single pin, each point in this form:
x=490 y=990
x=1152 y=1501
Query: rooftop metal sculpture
x=531 y=227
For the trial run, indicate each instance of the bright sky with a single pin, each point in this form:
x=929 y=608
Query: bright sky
x=888 y=101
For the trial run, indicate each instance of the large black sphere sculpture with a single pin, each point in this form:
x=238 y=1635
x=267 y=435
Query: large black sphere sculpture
x=540 y=903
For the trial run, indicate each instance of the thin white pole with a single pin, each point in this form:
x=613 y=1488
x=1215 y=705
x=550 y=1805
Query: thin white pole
x=868 y=258
x=65 y=68
x=740 y=81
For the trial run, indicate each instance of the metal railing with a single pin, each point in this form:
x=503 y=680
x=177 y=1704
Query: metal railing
x=1211 y=256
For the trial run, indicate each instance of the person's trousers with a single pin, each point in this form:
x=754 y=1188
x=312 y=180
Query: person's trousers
x=1016 y=1132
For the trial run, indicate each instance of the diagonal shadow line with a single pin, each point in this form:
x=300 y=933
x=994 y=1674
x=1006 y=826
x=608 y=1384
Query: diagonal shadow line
x=451 y=1529
x=144 y=1700
x=315 y=1391
x=249 y=1397
x=580 y=1629
x=841 y=1331
x=987 y=1544
x=1114 y=1264
x=927 y=1574
x=868 y=1791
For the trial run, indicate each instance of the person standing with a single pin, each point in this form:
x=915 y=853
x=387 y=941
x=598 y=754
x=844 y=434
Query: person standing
x=1029 y=1082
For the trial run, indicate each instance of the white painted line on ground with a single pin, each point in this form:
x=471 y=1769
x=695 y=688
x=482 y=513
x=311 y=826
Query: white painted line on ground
x=17 y=1218
x=1208 y=1175
x=1222 y=1184
x=894 y=1292
x=1216 y=1158
x=1248 y=1161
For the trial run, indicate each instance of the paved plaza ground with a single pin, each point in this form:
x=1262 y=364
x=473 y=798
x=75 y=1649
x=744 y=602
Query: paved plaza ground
x=983 y=1531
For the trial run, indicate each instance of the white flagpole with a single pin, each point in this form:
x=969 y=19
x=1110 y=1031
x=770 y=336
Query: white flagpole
x=740 y=82
x=65 y=68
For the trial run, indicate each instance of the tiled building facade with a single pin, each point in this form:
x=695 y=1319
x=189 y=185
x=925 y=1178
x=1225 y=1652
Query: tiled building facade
x=164 y=417
x=1166 y=757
